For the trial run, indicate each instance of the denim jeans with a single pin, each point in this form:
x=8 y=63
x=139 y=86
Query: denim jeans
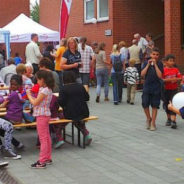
x=117 y=82
x=102 y=77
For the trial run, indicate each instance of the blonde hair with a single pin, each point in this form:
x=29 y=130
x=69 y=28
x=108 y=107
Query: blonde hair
x=115 y=49
x=122 y=44
x=70 y=40
x=132 y=62
x=21 y=69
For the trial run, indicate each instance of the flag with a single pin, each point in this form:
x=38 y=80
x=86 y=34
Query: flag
x=64 y=16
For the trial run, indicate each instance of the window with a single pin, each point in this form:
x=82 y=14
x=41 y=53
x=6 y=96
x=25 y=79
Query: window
x=88 y=10
x=102 y=10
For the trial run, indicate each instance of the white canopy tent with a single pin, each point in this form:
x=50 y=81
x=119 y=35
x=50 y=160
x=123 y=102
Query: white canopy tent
x=22 y=27
x=5 y=37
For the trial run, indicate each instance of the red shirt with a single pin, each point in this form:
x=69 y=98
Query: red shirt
x=171 y=73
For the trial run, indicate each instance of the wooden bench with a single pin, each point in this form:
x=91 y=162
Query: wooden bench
x=63 y=121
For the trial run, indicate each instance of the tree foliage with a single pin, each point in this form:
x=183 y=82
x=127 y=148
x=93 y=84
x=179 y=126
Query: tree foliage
x=35 y=12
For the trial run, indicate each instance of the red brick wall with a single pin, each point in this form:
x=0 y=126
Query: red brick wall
x=135 y=16
x=173 y=30
x=8 y=11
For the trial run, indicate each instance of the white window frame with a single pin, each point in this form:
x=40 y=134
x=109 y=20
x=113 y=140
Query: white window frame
x=89 y=20
x=100 y=19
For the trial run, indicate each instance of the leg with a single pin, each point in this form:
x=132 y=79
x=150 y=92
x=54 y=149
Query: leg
x=120 y=86
x=44 y=136
x=99 y=82
x=147 y=113
x=128 y=92
x=106 y=83
x=115 y=87
x=154 y=115
x=133 y=91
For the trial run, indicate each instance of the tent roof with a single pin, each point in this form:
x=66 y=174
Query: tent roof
x=22 y=27
x=3 y=31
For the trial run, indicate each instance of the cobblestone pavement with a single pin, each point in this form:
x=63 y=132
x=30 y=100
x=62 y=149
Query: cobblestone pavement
x=122 y=151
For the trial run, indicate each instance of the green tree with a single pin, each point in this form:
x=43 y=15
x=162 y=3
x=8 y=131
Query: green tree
x=35 y=12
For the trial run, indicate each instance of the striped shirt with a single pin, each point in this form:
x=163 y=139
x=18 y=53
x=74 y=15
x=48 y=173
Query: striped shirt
x=43 y=109
x=86 y=56
x=131 y=75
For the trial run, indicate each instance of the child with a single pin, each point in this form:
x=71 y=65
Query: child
x=7 y=149
x=72 y=98
x=42 y=113
x=152 y=71
x=131 y=77
x=171 y=76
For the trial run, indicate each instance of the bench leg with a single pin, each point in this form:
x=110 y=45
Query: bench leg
x=72 y=133
x=84 y=145
x=78 y=136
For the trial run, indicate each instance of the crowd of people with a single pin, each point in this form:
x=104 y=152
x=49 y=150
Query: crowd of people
x=68 y=71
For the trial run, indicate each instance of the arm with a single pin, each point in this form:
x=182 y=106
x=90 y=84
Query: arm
x=65 y=66
x=4 y=104
x=158 y=72
x=144 y=71
x=37 y=51
x=173 y=109
x=35 y=101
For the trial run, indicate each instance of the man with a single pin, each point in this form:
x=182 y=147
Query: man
x=135 y=53
x=87 y=58
x=8 y=71
x=33 y=54
x=142 y=42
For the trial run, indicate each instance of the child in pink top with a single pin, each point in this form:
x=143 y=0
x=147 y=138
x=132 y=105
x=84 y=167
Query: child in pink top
x=41 y=110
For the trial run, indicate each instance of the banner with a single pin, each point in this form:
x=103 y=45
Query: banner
x=64 y=16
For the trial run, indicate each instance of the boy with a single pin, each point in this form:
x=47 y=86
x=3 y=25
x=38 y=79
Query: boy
x=131 y=77
x=152 y=71
x=171 y=76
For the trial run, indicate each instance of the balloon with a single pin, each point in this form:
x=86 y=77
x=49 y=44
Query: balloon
x=178 y=100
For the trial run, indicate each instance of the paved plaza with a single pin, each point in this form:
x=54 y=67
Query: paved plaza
x=122 y=151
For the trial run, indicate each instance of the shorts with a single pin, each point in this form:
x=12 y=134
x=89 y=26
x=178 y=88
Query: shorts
x=152 y=99
x=85 y=78
x=168 y=96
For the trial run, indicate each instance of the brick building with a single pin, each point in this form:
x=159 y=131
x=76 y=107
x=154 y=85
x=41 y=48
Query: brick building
x=119 y=19
x=8 y=11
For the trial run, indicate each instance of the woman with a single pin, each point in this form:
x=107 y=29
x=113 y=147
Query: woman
x=150 y=45
x=58 y=56
x=124 y=53
x=117 y=74
x=71 y=60
x=101 y=71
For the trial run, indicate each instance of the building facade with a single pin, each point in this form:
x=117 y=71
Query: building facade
x=111 y=21
x=9 y=10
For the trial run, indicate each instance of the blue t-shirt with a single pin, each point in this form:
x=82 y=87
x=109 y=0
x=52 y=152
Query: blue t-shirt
x=17 y=60
x=71 y=59
x=152 y=82
x=112 y=59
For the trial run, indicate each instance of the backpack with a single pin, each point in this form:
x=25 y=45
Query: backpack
x=117 y=63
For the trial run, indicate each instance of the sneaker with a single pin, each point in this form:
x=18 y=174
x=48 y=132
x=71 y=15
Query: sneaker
x=88 y=140
x=10 y=154
x=131 y=103
x=20 y=146
x=115 y=103
x=59 y=144
x=106 y=99
x=38 y=165
x=168 y=122
x=48 y=162
x=97 y=99
x=128 y=101
x=173 y=125
x=3 y=164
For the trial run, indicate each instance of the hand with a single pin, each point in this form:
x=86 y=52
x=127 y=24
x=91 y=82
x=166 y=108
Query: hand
x=154 y=61
x=170 y=106
x=150 y=61
x=75 y=65
x=28 y=92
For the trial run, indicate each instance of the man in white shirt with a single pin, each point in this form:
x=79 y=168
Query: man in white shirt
x=8 y=71
x=33 y=54
x=142 y=42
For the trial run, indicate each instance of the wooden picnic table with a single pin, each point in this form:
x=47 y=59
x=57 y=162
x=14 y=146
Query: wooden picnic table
x=4 y=88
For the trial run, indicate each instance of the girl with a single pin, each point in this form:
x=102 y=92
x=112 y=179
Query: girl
x=72 y=98
x=117 y=74
x=101 y=71
x=42 y=113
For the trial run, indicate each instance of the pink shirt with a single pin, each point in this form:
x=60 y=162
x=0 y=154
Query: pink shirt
x=43 y=109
